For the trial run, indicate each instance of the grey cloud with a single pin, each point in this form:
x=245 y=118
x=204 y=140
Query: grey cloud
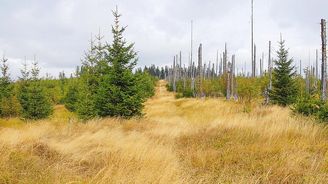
x=58 y=31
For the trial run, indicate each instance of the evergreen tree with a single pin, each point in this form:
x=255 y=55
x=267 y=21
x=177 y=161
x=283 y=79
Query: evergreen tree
x=9 y=105
x=85 y=103
x=118 y=94
x=34 y=101
x=5 y=79
x=284 y=90
x=71 y=98
x=93 y=66
x=23 y=82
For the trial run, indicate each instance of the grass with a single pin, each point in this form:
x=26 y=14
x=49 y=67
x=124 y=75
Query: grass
x=178 y=141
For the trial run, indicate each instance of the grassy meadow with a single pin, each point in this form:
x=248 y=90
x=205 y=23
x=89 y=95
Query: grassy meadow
x=177 y=141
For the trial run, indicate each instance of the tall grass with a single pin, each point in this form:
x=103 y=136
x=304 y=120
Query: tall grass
x=178 y=141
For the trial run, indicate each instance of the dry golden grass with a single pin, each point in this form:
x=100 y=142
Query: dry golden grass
x=178 y=141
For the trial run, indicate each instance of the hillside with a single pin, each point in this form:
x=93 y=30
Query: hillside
x=177 y=141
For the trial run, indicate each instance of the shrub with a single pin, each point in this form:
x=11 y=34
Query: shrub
x=307 y=105
x=71 y=98
x=323 y=113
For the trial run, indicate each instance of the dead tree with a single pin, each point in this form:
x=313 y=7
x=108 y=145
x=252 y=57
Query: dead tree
x=270 y=66
x=191 y=43
x=252 y=39
x=254 y=62
x=217 y=63
x=307 y=80
x=316 y=64
x=200 y=71
x=220 y=66
x=232 y=78
x=261 y=65
x=174 y=74
x=180 y=65
x=324 y=60
x=269 y=88
x=225 y=58
x=228 y=75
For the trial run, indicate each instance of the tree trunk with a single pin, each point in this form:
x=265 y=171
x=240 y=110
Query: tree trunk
x=324 y=60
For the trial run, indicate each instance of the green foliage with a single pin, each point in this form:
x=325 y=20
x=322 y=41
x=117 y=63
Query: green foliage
x=323 y=113
x=284 y=91
x=248 y=89
x=188 y=93
x=145 y=84
x=38 y=104
x=118 y=95
x=86 y=104
x=71 y=98
x=307 y=105
x=311 y=106
x=9 y=105
x=109 y=86
x=32 y=97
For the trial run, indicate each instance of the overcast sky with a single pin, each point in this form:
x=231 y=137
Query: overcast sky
x=58 y=31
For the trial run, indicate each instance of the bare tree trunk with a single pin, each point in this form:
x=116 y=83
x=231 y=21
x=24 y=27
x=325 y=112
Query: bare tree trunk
x=184 y=74
x=316 y=64
x=225 y=58
x=221 y=66
x=174 y=74
x=307 y=80
x=324 y=60
x=261 y=65
x=180 y=65
x=270 y=66
x=228 y=74
x=200 y=71
x=254 y=61
x=191 y=43
x=252 y=39
x=233 y=76
x=217 y=64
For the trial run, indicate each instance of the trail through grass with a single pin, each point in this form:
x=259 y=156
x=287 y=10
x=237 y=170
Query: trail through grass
x=178 y=141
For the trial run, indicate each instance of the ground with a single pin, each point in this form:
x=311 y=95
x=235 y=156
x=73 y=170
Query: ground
x=177 y=141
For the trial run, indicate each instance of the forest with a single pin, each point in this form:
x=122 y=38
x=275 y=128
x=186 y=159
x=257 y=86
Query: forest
x=192 y=121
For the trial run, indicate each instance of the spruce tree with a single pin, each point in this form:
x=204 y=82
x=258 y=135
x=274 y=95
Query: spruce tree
x=5 y=79
x=85 y=104
x=72 y=97
x=9 y=105
x=23 y=88
x=93 y=66
x=34 y=101
x=284 y=90
x=118 y=94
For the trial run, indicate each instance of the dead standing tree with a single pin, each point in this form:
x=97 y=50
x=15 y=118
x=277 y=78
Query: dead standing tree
x=252 y=39
x=228 y=74
x=233 y=77
x=267 y=98
x=174 y=74
x=200 y=72
x=324 y=60
x=225 y=58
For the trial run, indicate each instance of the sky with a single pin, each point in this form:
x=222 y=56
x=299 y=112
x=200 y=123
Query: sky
x=58 y=32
